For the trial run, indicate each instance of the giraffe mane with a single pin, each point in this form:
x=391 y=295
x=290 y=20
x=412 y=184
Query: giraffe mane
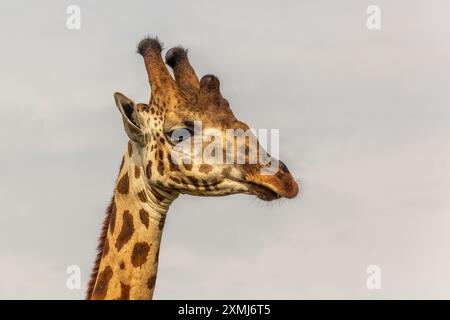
x=101 y=245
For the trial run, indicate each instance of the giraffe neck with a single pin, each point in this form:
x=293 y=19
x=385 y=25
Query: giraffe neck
x=129 y=257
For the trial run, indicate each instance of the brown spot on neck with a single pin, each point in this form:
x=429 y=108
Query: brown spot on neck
x=127 y=230
x=130 y=149
x=124 y=184
x=106 y=248
x=151 y=282
x=160 y=168
x=144 y=217
x=101 y=287
x=142 y=196
x=124 y=292
x=140 y=253
x=148 y=170
x=137 y=172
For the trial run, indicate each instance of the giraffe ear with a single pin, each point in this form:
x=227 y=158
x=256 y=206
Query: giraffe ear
x=127 y=108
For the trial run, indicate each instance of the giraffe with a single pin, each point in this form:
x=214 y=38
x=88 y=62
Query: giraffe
x=149 y=180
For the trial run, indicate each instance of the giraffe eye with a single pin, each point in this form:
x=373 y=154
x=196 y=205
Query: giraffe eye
x=179 y=135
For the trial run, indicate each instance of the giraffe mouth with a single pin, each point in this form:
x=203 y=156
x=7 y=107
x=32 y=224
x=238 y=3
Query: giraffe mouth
x=263 y=192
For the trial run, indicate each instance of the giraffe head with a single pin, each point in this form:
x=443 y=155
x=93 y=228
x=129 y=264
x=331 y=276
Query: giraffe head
x=188 y=140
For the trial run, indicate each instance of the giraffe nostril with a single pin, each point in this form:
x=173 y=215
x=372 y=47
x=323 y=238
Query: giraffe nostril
x=283 y=167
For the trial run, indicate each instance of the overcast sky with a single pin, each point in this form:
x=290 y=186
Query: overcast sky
x=364 y=124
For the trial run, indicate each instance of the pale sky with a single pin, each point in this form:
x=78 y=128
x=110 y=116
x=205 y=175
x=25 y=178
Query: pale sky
x=364 y=124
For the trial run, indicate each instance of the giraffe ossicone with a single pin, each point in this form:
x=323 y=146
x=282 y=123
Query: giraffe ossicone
x=150 y=178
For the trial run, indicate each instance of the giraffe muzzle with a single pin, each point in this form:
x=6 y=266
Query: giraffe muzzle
x=276 y=186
